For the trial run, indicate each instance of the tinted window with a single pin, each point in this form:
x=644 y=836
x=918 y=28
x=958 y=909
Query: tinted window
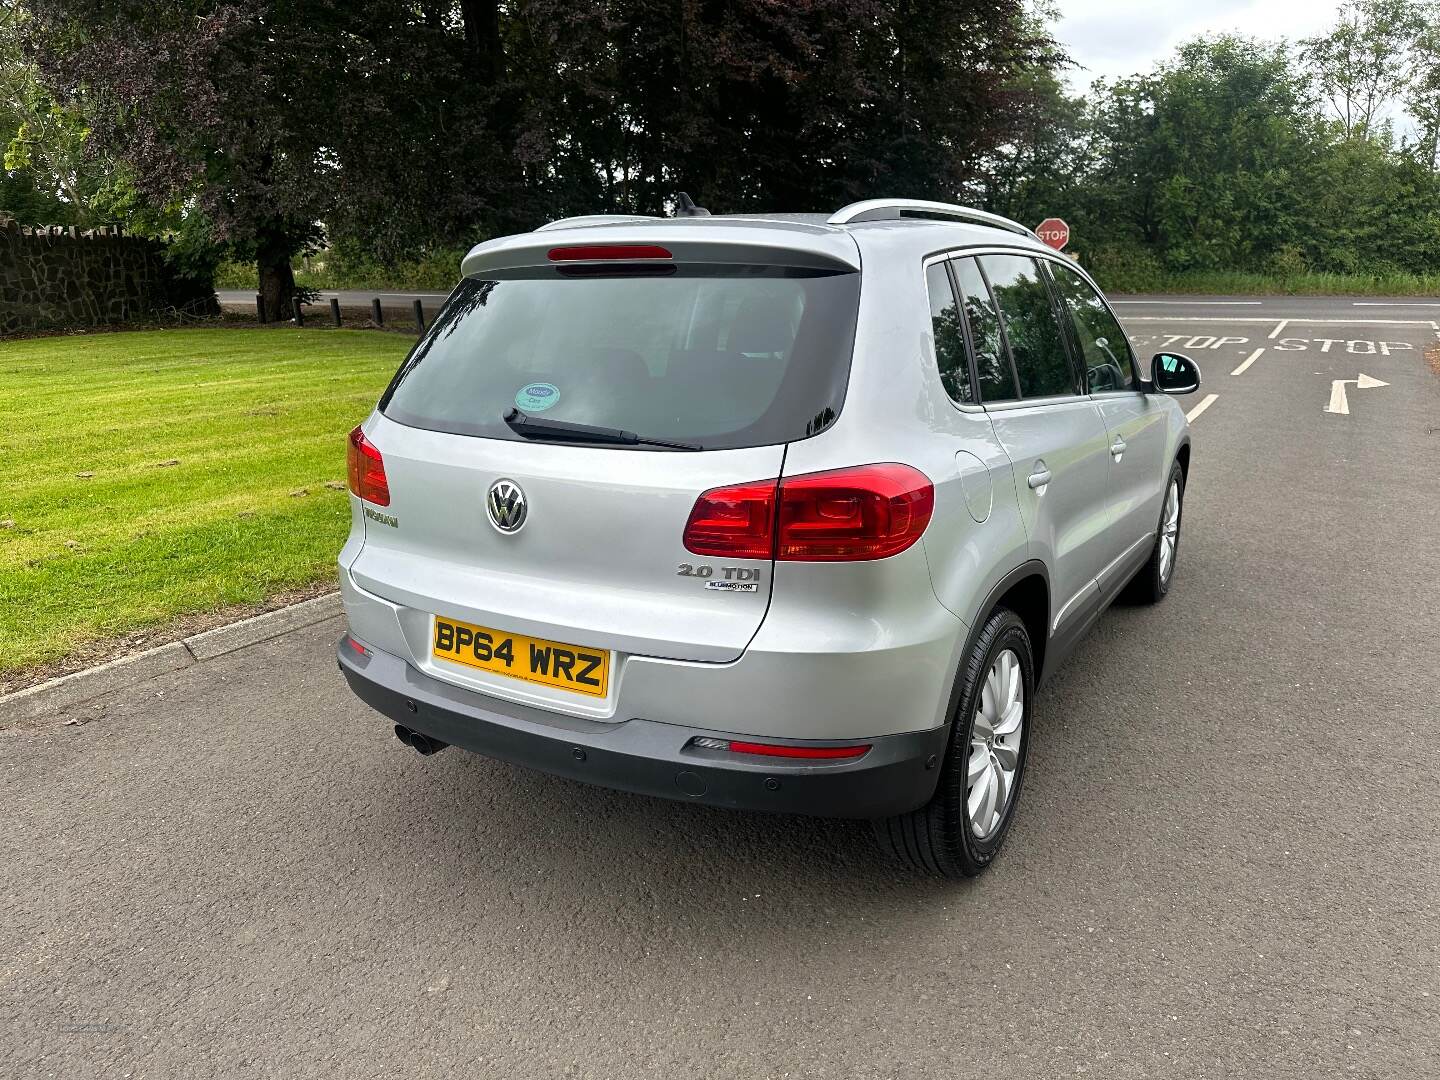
x=949 y=337
x=997 y=383
x=1031 y=328
x=722 y=356
x=1108 y=361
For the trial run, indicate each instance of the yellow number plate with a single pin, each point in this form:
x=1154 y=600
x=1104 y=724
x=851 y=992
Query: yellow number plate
x=550 y=663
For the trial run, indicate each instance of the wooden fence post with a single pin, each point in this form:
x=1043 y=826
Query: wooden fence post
x=335 y=309
x=260 y=306
x=419 y=315
x=377 y=315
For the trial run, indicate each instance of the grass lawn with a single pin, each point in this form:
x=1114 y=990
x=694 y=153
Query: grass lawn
x=158 y=474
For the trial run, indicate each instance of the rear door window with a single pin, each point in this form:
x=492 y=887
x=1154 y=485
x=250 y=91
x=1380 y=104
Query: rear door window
x=1109 y=362
x=949 y=335
x=992 y=364
x=720 y=356
x=1027 y=310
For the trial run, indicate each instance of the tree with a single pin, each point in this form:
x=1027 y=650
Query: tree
x=221 y=110
x=1422 y=96
x=1365 y=62
x=46 y=178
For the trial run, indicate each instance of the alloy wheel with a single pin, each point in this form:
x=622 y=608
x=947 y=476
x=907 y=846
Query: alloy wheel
x=1169 y=531
x=994 y=760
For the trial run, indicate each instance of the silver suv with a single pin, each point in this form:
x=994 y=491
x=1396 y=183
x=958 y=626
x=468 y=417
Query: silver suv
x=784 y=512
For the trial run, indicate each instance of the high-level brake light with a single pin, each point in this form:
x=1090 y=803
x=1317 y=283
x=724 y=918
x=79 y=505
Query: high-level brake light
x=608 y=252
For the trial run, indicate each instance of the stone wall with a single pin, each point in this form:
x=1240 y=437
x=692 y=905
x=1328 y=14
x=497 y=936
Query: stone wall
x=56 y=278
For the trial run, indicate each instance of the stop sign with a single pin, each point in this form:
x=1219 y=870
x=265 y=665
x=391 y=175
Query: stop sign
x=1054 y=232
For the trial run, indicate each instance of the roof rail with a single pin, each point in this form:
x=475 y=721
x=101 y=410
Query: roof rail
x=585 y=220
x=890 y=209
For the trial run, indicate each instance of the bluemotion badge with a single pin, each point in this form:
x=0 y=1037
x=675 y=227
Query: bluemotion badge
x=537 y=397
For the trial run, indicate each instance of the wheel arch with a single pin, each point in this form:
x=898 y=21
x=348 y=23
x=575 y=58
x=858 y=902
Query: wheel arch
x=1025 y=590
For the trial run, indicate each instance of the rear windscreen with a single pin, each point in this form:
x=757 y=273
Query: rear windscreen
x=720 y=356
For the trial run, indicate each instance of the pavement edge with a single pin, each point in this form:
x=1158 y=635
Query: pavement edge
x=81 y=686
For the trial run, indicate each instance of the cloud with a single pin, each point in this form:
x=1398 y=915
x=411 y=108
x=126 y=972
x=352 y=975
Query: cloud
x=1111 y=40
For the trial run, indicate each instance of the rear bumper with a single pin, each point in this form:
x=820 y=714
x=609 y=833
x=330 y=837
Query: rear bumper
x=898 y=773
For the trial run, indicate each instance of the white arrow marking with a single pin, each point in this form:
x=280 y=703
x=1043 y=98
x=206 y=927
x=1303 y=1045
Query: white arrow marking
x=1339 y=403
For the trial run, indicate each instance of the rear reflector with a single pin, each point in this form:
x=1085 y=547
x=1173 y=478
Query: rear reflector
x=356 y=646
x=367 y=470
x=813 y=753
x=845 y=515
x=606 y=252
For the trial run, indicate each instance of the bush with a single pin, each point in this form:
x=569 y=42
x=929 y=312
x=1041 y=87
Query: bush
x=345 y=267
x=1125 y=268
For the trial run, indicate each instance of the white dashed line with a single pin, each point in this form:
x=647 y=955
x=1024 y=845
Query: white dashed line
x=1198 y=303
x=1279 y=329
x=1388 y=303
x=1248 y=361
x=1194 y=413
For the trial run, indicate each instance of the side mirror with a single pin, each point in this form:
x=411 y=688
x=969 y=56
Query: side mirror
x=1172 y=373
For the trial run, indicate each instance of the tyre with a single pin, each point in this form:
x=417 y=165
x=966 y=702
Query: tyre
x=958 y=832
x=1152 y=581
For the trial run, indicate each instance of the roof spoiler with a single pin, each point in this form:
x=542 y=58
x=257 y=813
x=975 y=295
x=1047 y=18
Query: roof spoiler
x=713 y=241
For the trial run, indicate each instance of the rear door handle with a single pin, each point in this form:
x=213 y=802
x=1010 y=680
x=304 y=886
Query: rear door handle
x=1117 y=448
x=1040 y=478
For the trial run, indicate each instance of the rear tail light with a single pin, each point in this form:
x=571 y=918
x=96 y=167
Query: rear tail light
x=845 y=515
x=734 y=522
x=782 y=750
x=367 y=470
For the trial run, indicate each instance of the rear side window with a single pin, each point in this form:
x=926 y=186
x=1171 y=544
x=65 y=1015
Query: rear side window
x=992 y=366
x=722 y=356
x=1031 y=327
x=1109 y=363
x=949 y=335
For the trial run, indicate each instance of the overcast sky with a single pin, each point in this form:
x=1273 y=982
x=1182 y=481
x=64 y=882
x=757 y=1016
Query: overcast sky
x=1122 y=37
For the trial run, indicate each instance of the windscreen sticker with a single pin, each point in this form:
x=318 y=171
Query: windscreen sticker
x=537 y=397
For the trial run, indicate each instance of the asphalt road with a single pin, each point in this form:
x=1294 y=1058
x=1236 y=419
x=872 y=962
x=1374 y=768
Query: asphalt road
x=1225 y=861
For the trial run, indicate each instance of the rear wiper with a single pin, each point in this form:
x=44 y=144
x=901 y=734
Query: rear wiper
x=532 y=427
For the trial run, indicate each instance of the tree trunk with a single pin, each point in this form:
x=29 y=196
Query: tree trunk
x=483 y=43
x=277 y=286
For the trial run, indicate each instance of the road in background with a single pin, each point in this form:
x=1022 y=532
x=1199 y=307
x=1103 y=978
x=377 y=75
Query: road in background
x=1276 y=306
x=241 y=298
x=1224 y=862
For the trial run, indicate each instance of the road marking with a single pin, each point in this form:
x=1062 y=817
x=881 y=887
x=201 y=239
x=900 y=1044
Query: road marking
x=1248 y=361
x=1242 y=319
x=1339 y=403
x=1280 y=327
x=1194 y=413
x=1356 y=347
x=1388 y=303
x=1198 y=303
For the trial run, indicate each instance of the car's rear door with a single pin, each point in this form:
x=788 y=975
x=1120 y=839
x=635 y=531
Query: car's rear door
x=1053 y=433
x=1135 y=421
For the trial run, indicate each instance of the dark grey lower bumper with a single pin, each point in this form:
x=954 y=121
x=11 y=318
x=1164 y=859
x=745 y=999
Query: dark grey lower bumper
x=897 y=774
